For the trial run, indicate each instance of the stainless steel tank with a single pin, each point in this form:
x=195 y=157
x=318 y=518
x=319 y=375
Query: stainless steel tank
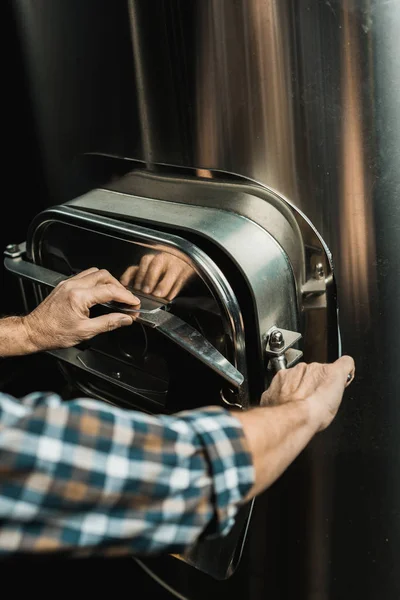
x=300 y=99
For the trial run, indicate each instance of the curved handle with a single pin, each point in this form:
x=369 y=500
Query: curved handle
x=155 y=316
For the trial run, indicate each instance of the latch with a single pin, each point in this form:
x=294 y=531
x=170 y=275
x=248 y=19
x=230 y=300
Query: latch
x=279 y=348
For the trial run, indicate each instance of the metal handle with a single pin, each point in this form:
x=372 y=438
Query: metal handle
x=180 y=332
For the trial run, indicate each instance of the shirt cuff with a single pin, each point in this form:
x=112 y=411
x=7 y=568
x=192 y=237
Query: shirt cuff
x=231 y=467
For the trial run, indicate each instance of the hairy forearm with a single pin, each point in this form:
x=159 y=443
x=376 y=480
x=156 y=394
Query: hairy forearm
x=276 y=435
x=14 y=337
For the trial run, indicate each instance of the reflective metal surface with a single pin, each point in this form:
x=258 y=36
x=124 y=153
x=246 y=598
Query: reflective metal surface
x=304 y=97
x=122 y=247
x=153 y=376
x=170 y=325
x=66 y=239
x=310 y=259
x=263 y=263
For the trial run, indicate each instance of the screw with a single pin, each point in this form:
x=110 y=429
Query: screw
x=278 y=363
x=12 y=248
x=319 y=271
x=276 y=340
x=117 y=375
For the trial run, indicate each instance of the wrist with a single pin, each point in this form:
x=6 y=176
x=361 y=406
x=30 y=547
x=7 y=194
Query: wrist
x=275 y=436
x=302 y=414
x=29 y=336
x=312 y=413
x=15 y=339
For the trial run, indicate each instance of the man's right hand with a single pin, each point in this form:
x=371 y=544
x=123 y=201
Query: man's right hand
x=299 y=402
x=320 y=385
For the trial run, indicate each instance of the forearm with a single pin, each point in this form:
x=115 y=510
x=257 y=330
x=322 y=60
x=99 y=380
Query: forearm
x=276 y=435
x=14 y=337
x=99 y=478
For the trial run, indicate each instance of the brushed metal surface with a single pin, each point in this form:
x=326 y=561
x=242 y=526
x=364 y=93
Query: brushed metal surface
x=78 y=65
x=262 y=262
x=302 y=97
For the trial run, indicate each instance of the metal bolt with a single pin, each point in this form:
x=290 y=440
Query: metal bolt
x=319 y=272
x=12 y=248
x=276 y=340
x=278 y=363
x=117 y=375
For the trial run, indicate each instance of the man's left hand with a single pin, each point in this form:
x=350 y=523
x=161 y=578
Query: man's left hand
x=63 y=319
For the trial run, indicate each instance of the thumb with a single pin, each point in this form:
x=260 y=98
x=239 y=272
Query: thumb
x=108 y=323
x=338 y=376
x=345 y=365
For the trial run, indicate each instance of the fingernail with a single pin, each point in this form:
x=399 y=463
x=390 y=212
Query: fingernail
x=146 y=289
x=125 y=321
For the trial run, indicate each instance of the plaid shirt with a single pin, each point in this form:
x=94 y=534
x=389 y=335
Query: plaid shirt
x=85 y=477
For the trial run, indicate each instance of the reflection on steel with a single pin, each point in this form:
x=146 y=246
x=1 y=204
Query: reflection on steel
x=201 y=264
x=303 y=98
x=228 y=230
x=299 y=98
x=169 y=325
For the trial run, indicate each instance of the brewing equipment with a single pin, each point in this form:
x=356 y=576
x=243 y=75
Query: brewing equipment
x=257 y=142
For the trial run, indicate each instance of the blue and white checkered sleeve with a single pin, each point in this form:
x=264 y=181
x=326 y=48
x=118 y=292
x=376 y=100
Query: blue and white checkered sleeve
x=231 y=468
x=85 y=477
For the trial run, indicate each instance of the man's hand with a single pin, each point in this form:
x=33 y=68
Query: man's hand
x=321 y=386
x=63 y=319
x=162 y=275
x=299 y=402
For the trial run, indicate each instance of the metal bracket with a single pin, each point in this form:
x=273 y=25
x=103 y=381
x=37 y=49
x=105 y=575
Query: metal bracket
x=279 y=350
x=314 y=289
x=15 y=250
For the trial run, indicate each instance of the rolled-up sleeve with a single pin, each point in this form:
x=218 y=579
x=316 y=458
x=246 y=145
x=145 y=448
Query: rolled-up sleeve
x=82 y=476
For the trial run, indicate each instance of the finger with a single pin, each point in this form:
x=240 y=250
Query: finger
x=346 y=367
x=313 y=375
x=109 y=292
x=293 y=378
x=144 y=264
x=154 y=274
x=336 y=374
x=185 y=276
x=83 y=273
x=165 y=286
x=128 y=276
x=100 y=276
x=285 y=385
x=176 y=288
x=106 y=323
